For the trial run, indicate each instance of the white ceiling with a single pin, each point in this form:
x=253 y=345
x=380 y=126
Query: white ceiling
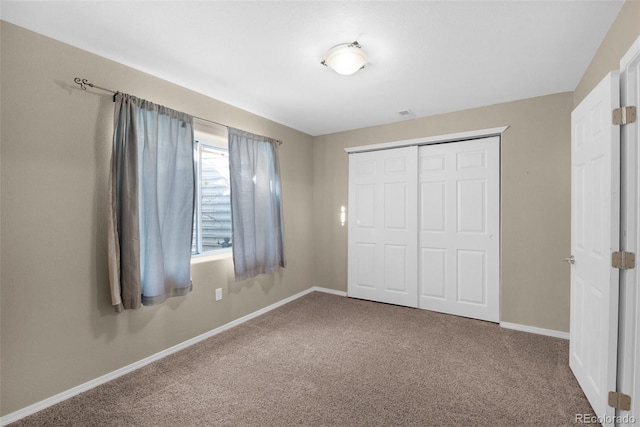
x=429 y=57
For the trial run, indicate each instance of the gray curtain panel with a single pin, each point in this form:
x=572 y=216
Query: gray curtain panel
x=152 y=189
x=256 y=205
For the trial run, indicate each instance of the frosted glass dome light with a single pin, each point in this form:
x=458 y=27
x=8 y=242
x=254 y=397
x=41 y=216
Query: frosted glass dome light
x=345 y=58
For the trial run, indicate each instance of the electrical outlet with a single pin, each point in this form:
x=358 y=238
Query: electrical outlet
x=218 y=294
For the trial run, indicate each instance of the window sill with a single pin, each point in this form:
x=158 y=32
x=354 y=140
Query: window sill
x=199 y=259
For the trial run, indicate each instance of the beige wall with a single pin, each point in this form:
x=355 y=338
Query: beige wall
x=623 y=32
x=58 y=329
x=535 y=200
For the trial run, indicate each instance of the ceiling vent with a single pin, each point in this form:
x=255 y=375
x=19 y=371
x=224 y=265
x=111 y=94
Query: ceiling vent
x=406 y=114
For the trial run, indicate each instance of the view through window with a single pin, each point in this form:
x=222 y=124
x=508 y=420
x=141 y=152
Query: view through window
x=212 y=222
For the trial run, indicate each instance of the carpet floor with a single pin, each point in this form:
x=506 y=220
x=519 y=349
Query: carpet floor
x=325 y=360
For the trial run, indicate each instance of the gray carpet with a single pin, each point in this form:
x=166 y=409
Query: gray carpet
x=332 y=361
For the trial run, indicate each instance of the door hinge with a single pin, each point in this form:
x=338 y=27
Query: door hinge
x=623 y=260
x=619 y=401
x=624 y=115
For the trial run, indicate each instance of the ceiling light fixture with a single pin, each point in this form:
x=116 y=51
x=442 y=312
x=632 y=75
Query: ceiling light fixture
x=345 y=58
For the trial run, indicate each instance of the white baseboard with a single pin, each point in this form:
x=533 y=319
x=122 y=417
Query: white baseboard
x=38 y=406
x=329 y=291
x=534 y=330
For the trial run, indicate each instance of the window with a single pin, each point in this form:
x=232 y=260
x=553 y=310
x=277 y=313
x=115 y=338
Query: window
x=212 y=221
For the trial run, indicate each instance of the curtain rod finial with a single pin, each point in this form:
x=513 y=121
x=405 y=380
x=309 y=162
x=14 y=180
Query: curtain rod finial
x=83 y=83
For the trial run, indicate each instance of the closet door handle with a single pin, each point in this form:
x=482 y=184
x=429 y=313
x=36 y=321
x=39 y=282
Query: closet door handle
x=570 y=260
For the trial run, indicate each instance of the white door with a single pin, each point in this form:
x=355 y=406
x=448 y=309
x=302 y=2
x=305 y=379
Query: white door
x=459 y=219
x=382 y=248
x=629 y=334
x=595 y=221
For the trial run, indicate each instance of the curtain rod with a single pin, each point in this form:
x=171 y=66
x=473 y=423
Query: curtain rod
x=83 y=83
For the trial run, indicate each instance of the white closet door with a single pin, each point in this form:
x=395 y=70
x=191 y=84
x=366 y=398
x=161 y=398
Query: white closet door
x=595 y=234
x=459 y=254
x=382 y=247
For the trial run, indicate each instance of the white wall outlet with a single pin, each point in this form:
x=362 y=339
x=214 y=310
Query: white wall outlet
x=218 y=294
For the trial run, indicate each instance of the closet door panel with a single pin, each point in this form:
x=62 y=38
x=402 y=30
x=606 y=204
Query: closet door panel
x=472 y=276
x=383 y=226
x=434 y=260
x=433 y=212
x=459 y=221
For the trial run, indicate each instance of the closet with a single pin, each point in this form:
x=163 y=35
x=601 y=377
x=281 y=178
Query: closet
x=424 y=225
